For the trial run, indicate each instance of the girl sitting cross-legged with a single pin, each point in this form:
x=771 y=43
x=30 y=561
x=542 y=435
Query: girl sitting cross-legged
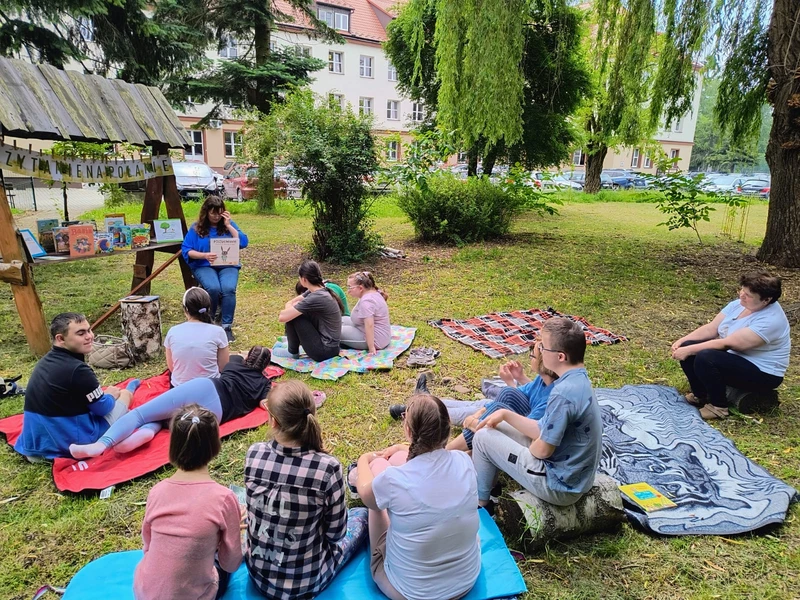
x=189 y=519
x=299 y=532
x=196 y=348
x=236 y=392
x=423 y=518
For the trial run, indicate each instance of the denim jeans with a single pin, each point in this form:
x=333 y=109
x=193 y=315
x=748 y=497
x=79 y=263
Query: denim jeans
x=509 y=398
x=220 y=283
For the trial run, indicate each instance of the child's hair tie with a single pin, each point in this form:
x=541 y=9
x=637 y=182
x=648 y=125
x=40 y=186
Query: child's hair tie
x=195 y=418
x=202 y=310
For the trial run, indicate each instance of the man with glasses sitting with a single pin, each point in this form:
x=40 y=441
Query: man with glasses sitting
x=555 y=458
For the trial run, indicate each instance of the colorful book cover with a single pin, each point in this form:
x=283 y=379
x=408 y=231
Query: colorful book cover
x=646 y=496
x=81 y=240
x=140 y=236
x=122 y=237
x=115 y=220
x=43 y=225
x=32 y=244
x=168 y=230
x=104 y=242
x=227 y=251
x=61 y=239
x=48 y=241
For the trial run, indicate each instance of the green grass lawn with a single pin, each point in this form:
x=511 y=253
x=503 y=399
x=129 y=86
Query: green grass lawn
x=607 y=261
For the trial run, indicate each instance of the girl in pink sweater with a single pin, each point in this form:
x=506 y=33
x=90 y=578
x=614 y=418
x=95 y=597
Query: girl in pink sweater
x=190 y=519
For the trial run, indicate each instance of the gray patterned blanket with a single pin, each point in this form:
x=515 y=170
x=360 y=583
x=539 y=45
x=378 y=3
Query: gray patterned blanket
x=652 y=435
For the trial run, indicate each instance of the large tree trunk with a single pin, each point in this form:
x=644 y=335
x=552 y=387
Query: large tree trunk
x=262 y=32
x=489 y=160
x=472 y=162
x=782 y=240
x=594 y=166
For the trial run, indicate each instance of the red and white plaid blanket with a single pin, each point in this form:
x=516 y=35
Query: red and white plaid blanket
x=501 y=334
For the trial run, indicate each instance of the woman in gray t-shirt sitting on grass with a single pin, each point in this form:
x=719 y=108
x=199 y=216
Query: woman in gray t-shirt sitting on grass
x=313 y=319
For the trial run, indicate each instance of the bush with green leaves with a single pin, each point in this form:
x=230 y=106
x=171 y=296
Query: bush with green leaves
x=452 y=210
x=332 y=153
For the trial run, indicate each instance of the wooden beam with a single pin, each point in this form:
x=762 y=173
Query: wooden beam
x=172 y=199
x=29 y=306
x=14 y=272
x=144 y=260
x=138 y=288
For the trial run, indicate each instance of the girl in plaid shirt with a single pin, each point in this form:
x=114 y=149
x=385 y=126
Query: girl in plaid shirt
x=299 y=530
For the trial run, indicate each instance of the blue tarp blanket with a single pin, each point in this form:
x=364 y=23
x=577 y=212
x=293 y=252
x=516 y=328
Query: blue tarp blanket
x=111 y=576
x=651 y=434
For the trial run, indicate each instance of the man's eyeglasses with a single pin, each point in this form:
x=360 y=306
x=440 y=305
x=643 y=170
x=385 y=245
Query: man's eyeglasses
x=540 y=347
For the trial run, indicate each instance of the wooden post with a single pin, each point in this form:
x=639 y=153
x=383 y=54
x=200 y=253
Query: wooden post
x=144 y=259
x=172 y=199
x=141 y=322
x=29 y=306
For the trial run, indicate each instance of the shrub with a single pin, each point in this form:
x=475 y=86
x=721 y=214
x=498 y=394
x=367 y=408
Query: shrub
x=459 y=211
x=332 y=153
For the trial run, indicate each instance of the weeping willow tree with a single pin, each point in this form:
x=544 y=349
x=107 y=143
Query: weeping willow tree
x=527 y=55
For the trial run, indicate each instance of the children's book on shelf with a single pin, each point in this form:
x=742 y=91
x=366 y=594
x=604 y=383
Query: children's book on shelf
x=61 y=239
x=122 y=237
x=227 y=251
x=81 y=240
x=104 y=242
x=32 y=244
x=646 y=496
x=44 y=229
x=168 y=230
x=140 y=235
x=114 y=220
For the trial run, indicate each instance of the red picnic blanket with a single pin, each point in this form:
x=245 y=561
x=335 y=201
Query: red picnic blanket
x=501 y=334
x=111 y=468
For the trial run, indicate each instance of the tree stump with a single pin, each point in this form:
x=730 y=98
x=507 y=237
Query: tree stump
x=752 y=402
x=141 y=322
x=524 y=517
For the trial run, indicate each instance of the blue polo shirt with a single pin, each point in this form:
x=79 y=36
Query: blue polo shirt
x=573 y=424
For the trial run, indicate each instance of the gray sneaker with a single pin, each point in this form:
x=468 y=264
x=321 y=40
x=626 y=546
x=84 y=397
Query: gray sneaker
x=422 y=357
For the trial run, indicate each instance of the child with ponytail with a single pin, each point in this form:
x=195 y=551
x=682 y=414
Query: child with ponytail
x=299 y=531
x=423 y=518
x=189 y=519
x=196 y=348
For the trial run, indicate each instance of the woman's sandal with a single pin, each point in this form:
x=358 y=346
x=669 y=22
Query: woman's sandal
x=694 y=400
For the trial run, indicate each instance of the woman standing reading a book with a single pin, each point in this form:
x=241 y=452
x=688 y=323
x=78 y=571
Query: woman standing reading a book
x=218 y=276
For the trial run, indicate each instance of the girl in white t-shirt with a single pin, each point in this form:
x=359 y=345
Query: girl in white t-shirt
x=367 y=327
x=423 y=517
x=196 y=348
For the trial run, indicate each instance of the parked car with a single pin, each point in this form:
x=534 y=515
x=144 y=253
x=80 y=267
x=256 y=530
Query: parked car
x=196 y=180
x=723 y=183
x=242 y=183
x=561 y=182
x=606 y=182
x=755 y=187
x=620 y=180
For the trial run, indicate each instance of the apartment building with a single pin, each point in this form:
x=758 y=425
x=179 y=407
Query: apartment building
x=357 y=74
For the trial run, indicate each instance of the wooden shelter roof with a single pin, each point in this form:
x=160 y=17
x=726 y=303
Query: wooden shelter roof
x=46 y=103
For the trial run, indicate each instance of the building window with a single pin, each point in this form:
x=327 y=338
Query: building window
x=578 y=158
x=675 y=153
x=393 y=110
x=365 y=106
x=647 y=162
x=233 y=143
x=635 y=159
x=303 y=51
x=85 y=28
x=337 y=100
x=461 y=158
x=273 y=46
x=365 y=63
x=417 y=112
x=336 y=62
x=391 y=150
x=230 y=49
x=338 y=19
x=392 y=72
x=677 y=126
x=196 y=150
